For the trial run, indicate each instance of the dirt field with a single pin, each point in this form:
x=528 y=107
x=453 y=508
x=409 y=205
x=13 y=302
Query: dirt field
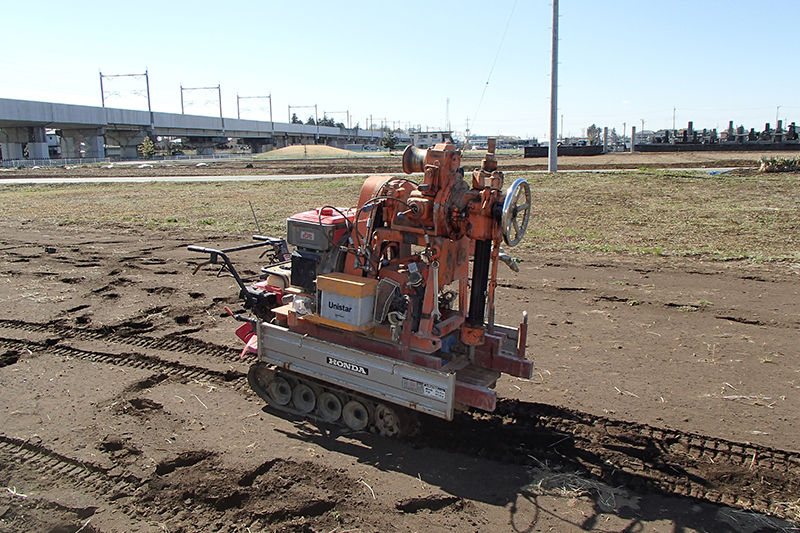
x=125 y=408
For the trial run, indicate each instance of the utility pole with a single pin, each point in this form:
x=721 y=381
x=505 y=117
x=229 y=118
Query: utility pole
x=149 y=108
x=219 y=94
x=552 y=161
x=673 y=122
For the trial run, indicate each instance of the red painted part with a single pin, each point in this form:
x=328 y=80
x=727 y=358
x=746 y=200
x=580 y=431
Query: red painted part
x=489 y=356
x=326 y=216
x=264 y=286
x=475 y=396
x=492 y=344
x=247 y=333
x=523 y=338
x=250 y=347
x=521 y=368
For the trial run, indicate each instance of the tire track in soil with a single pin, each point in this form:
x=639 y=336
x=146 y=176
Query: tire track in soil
x=640 y=457
x=184 y=345
x=47 y=468
x=215 y=493
x=274 y=493
x=237 y=380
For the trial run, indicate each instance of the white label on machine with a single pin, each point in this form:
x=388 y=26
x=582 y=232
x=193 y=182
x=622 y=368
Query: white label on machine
x=427 y=389
x=346 y=309
x=307 y=235
x=352 y=367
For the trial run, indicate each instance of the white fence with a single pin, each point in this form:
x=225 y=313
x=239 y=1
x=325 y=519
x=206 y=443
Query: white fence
x=28 y=163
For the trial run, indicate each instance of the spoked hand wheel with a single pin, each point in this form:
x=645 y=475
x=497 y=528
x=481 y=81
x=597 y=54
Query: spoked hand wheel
x=516 y=212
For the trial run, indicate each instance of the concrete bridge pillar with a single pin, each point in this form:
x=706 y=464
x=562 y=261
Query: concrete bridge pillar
x=11 y=150
x=85 y=143
x=128 y=141
x=37 y=145
x=258 y=145
x=38 y=150
x=205 y=148
x=206 y=145
x=14 y=141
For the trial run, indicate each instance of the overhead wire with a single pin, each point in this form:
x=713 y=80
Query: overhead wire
x=491 y=70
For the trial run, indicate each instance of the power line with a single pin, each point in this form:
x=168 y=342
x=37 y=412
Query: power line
x=489 y=77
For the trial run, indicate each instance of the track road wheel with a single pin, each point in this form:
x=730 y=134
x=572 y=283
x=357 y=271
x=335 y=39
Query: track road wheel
x=393 y=421
x=355 y=415
x=280 y=391
x=304 y=398
x=259 y=378
x=329 y=406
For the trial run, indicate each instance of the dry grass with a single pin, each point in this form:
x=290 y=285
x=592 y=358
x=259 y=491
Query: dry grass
x=652 y=212
x=213 y=206
x=668 y=213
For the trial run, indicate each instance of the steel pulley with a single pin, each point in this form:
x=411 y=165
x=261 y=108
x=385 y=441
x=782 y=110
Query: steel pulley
x=516 y=204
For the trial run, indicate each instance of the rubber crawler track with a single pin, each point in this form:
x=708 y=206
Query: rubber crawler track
x=407 y=420
x=638 y=456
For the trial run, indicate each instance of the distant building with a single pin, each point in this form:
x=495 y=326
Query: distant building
x=429 y=139
x=480 y=142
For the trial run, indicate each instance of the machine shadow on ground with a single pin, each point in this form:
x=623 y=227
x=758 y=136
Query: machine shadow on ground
x=525 y=491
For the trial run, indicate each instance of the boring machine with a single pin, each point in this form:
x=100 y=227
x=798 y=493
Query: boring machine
x=368 y=315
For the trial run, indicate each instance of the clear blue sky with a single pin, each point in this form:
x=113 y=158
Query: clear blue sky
x=621 y=61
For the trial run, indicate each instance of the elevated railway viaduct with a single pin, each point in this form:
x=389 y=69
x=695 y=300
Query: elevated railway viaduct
x=86 y=131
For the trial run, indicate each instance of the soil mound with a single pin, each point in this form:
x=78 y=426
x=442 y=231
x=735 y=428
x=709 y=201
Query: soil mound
x=308 y=151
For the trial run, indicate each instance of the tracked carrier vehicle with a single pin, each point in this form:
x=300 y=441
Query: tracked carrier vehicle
x=370 y=314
